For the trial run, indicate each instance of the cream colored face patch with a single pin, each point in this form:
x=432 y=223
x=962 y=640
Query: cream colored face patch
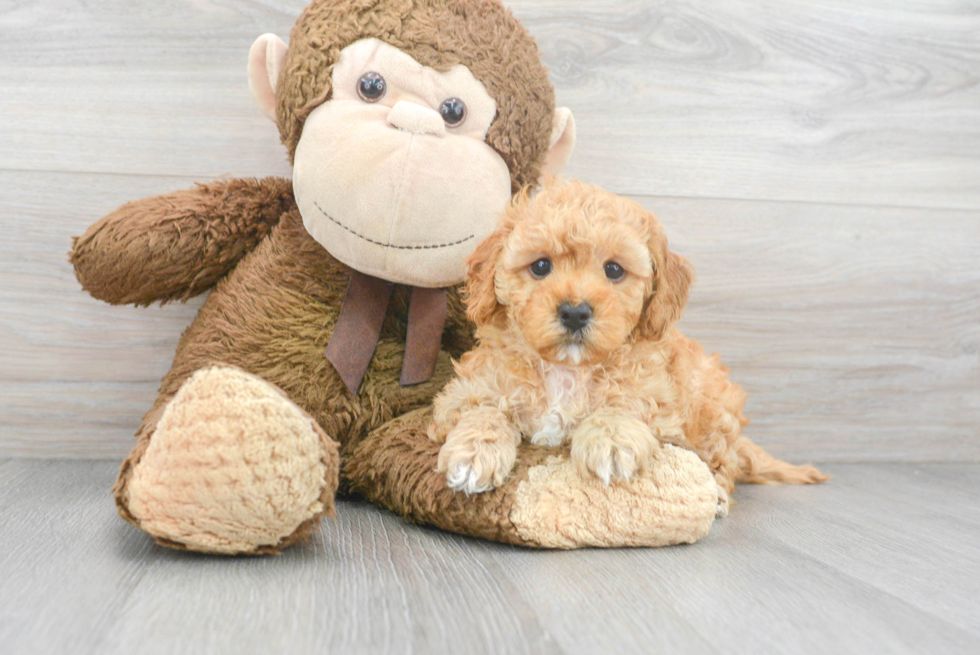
x=388 y=182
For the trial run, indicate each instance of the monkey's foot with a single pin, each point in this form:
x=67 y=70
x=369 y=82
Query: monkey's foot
x=545 y=501
x=233 y=467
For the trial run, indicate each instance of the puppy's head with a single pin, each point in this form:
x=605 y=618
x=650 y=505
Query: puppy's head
x=579 y=271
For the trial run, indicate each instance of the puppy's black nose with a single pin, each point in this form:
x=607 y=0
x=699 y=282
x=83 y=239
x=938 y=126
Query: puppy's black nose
x=574 y=317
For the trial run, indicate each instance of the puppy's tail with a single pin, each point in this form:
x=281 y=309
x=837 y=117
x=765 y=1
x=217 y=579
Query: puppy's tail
x=759 y=467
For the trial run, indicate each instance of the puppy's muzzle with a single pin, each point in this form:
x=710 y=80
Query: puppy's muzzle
x=574 y=318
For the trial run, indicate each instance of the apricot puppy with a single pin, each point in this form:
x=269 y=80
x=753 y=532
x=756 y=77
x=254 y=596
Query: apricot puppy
x=574 y=297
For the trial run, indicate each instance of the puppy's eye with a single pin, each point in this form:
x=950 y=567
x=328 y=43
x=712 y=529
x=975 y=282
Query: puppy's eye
x=371 y=87
x=453 y=111
x=541 y=268
x=614 y=271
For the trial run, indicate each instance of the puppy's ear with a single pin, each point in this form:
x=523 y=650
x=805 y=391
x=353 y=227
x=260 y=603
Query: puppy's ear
x=672 y=286
x=481 y=292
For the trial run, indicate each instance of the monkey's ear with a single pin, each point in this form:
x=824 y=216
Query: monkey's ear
x=264 y=63
x=562 y=142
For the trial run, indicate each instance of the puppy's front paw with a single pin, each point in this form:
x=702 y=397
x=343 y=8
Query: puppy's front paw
x=476 y=465
x=464 y=477
x=605 y=459
x=612 y=446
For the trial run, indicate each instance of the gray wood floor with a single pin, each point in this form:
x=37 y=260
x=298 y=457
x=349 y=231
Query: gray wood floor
x=883 y=560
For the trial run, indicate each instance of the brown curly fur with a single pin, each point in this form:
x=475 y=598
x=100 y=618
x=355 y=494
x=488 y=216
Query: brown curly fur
x=634 y=381
x=273 y=316
x=277 y=292
x=175 y=246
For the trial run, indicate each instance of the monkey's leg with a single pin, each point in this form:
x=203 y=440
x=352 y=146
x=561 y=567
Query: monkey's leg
x=545 y=503
x=228 y=465
x=174 y=246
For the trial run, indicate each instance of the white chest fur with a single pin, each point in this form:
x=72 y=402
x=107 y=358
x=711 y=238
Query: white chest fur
x=567 y=393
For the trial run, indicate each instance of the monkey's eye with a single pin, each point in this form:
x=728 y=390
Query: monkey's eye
x=614 y=271
x=371 y=87
x=453 y=111
x=541 y=268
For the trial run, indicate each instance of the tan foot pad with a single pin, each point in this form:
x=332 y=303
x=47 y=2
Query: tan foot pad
x=233 y=467
x=673 y=501
x=545 y=503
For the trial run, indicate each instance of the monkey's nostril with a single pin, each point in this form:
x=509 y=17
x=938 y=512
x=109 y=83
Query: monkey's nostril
x=574 y=317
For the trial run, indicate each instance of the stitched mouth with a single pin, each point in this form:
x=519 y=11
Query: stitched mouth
x=431 y=246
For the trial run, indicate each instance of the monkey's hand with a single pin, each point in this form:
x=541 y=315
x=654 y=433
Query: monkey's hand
x=177 y=245
x=612 y=445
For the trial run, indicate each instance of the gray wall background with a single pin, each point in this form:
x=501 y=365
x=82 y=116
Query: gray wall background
x=818 y=161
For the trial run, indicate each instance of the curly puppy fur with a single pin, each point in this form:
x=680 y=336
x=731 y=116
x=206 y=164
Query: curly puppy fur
x=616 y=387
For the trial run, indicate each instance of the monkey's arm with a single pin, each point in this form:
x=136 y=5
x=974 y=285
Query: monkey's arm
x=175 y=246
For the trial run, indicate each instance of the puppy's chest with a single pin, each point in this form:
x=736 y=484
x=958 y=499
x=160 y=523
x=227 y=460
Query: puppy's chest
x=565 y=401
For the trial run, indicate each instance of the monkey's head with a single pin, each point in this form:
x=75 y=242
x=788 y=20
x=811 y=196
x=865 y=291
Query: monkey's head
x=409 y=124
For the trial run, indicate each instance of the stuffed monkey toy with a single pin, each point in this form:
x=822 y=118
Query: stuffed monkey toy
x=334 y=310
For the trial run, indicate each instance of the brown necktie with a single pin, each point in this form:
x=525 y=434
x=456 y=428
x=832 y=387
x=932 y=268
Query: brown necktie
x=426 y=320
x=355 y=337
